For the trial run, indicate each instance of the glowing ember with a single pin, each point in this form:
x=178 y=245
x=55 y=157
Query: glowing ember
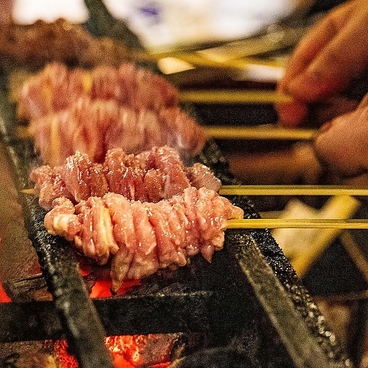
x=99 y=280
x=126 y=351
x=102 y=288
x=150 y=351
x=4 y=298
x=140 y=350
x=61 y=354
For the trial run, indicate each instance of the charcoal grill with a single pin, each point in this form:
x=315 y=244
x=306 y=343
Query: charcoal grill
x=245 y=309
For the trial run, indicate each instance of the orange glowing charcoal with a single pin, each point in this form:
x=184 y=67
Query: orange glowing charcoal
x=130 y=351
x=126 y=352
x=102 y=288
x=120 y=362
x=61 y=352
x=4 y=298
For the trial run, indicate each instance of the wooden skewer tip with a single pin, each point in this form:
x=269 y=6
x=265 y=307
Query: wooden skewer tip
x=30 y=191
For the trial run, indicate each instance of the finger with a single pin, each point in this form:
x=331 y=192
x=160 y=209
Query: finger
x=344 y=58
x=291 y=114
x=322 y=112
x=296 y=113
x=308 y=48
x=342 y=143
x=314 y=41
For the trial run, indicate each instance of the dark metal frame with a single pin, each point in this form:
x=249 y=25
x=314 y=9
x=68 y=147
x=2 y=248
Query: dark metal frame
x=248 y=301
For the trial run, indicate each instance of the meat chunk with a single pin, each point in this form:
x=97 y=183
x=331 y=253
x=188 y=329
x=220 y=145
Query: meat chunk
x=142 y=237
x=149 y=176
x=42 y=42
x=96 y=126
x=56 y=86
x=83 y=178
x=106 y=107
x=49 y=185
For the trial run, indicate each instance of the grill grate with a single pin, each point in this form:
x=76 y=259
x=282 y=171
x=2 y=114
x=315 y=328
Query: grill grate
x=248 y=303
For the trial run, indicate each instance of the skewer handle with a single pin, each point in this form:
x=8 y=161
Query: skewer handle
x=292 y=190
x=259 y=133
x=298 y=223
x=231 y=96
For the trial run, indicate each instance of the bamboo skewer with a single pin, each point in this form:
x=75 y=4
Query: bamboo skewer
x=272 y=223
x=231 y=132
x=292 y=190
x=234 y=96
x=298 y=223
x=267 y=133
x=280 y=223
x=261 y=223
x=278 y=190
x=29 y=191
x=197 y=59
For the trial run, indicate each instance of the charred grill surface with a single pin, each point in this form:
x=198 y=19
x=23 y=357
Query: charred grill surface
x=248 y=302
x=57 y=260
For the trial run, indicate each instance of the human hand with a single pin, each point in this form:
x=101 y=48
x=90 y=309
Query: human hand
x=342 y=146
x=326 y=61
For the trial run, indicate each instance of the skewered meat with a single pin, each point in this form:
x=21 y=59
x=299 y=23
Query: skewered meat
x=142 y=237
x=95 y=126
x=93 y=111
x=156 y=218
x=56 y=86
x=37 y=44
x=149 y=176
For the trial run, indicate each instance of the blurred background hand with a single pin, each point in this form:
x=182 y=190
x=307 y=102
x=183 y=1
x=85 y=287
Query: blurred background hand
x=325 y=64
